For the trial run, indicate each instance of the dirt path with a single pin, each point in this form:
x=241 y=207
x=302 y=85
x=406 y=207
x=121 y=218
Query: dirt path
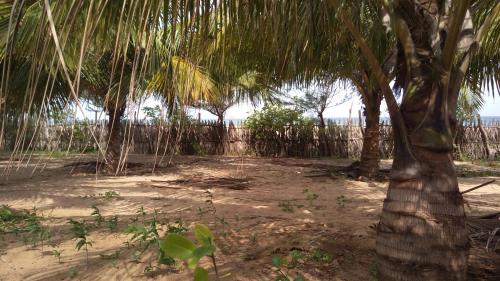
x=264 y=207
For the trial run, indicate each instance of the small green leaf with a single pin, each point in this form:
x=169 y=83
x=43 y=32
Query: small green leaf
x=200 y=274
x=163 y=259
x=277 y=261
x=300 y=278
x=193 y=262
x=199 y=253
x=203 y=234
x=79 y=244
x=204 y=251
x=177 y=246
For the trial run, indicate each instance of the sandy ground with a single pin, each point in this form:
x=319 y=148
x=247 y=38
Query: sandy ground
x=269 y=216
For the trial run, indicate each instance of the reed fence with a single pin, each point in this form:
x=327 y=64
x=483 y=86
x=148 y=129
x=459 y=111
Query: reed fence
x=344 y=140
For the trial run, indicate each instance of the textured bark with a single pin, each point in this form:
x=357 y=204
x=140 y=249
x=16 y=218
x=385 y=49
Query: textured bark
x=114 y=139
x=422 y=233
x=370 y=153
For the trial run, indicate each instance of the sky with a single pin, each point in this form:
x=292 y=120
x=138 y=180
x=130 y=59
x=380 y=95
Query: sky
x=243 y=110
x=490 y=108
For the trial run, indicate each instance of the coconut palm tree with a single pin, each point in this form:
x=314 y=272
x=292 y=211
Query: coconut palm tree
x=422 y=234
x=234 y=90
x=316 y=100
x=358 y=72
x=440 y=44
x=25 y=111
x=65 y=40
x=138 y=63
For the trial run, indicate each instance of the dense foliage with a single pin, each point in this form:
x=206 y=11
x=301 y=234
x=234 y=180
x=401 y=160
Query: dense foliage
x=276 y=118
x=275 y=128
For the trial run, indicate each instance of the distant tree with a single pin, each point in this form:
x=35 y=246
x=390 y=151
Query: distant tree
x=232 y=91
x=111 y=73
x=153 y=114
x=468 y=105
x=316 y=100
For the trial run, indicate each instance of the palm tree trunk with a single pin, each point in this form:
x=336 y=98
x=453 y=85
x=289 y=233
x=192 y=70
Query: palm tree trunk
x=370 y=153
x=113 y=148
x=422 y=233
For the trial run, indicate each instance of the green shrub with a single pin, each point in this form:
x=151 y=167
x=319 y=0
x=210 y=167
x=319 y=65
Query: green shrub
x=280 y=130
x=276 y=118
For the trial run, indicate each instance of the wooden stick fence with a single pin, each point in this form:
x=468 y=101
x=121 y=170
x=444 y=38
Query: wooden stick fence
x=344 y=140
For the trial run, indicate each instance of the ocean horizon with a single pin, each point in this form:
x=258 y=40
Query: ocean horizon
x=355 y=120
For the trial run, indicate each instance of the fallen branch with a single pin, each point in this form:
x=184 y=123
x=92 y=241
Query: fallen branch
x=170 y=181
x=209 y=182
x=324 y=175
x=476 y=187
x=489 y=216
x=166 y=186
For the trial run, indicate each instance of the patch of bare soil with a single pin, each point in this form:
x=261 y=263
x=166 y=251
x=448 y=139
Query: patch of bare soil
x=258 y=208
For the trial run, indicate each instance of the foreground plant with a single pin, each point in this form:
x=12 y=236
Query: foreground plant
x=38 y=232
x=286 y=206
x=96 y=214
x=179 y=247
x=147 y=236
x=299 y=258
x=112 y=223
x=340 y=201
x=310 y=196
x=13 y=221
x=80 y=232
x=279 y=263
x=111 y=194
x=57 y=254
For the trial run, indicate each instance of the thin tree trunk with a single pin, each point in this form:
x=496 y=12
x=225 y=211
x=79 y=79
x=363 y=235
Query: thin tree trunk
x=484 y=139
x=3 y=140
x=115 y=138
x=458 y=132
x=221 y=133
x=321 y=121
x=370 y=152
x=323 y=140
